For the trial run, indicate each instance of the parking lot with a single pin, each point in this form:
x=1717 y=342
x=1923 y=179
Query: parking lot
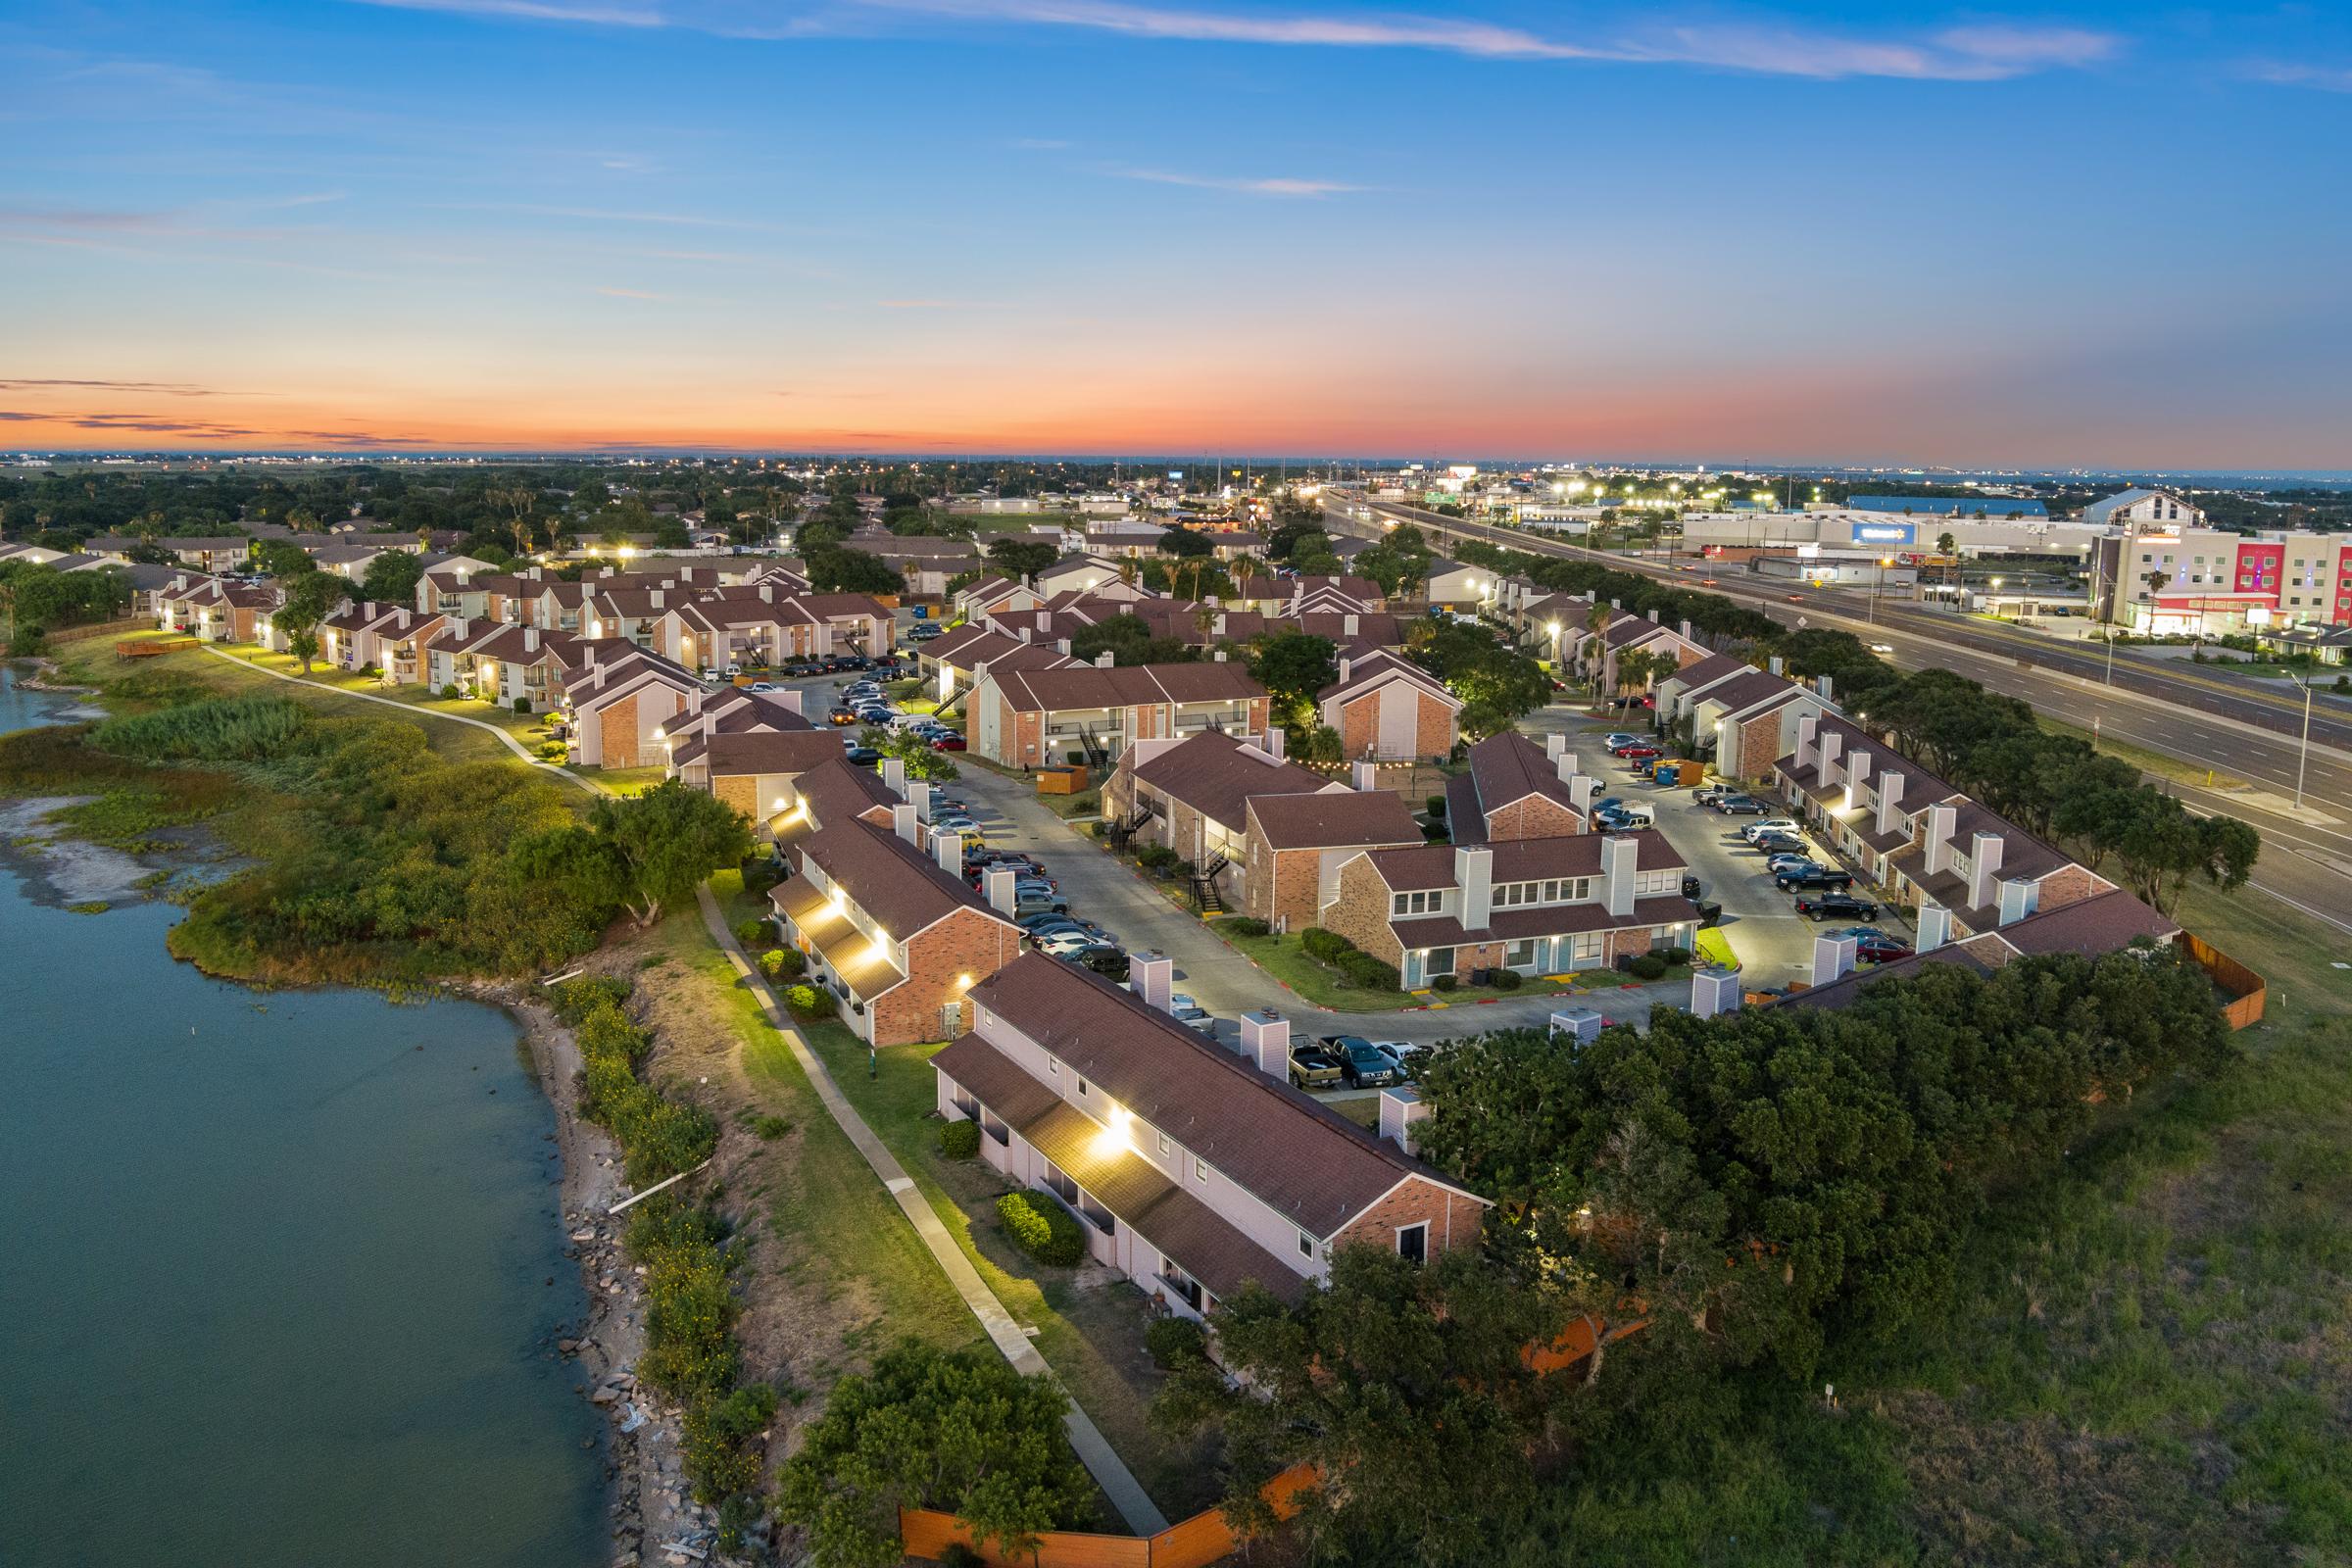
x=1772 y=940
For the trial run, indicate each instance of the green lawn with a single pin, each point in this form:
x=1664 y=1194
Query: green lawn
x=624 y=780
x=1090 y=1335
x=2147 y=760
x=1286 y=960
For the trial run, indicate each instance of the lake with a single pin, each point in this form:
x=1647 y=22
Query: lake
x=273 y=1267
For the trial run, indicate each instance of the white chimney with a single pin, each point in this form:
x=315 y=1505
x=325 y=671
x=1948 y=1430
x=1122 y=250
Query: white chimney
x=1554 y=748
x=657 y=599
x=530 y=639
x=893 y=775
x=1564 y=764
x=1821 y=684
x=1890 y=802
x=1272 y=746
x=1687 y=637
x=1943 y=821
x=1366 y=777
x=1714 y=992
x=1000 y=896
x=1474 y=874
x=1833 y=957
x=1062 y=646
x=1857 y=772
x=918 y=795
x=901 y=822
x=1983 y=867
x=1581 y=790
x=1807 y=727
x=1266 y=1040
x=1620 y=854
x=1154 y=977
x=1345 y=662
x=1218 y=656
x=1831 y=745
x=1776 y=665
x=1934 y=927
x=2019 y=898
x=1347 y=624
x=1400 y=1109
x=948 y=850
x=791 y=702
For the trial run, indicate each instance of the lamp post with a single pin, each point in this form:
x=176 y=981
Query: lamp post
x=2303 y=755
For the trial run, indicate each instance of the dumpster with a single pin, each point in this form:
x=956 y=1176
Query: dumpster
x=1068 y=780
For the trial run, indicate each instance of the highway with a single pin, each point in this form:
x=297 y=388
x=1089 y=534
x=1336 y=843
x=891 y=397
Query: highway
x=2249 y=739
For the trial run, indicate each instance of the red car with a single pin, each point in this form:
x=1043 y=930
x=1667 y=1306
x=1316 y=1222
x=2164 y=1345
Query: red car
x=948 y=743
x=1635 y=752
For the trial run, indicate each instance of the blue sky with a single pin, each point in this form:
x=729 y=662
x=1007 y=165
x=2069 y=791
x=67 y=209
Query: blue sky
x=2102 y=235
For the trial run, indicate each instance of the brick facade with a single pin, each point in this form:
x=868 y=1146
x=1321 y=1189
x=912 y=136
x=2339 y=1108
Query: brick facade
x=943 y=962
x=618 y=739
x=1359 y=725
x=1360 y=911
x=741 y=791
x=2069 y=884
x=1452 y=1219
x=1760 y=748
x=1433 y=729
x=1285 y=887
x=1534 y=817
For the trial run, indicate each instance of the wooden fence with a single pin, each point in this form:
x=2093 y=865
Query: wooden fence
x=2246 y=990
x=1192 y=1543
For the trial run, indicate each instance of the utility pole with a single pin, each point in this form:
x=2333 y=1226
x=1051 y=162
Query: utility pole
x=2303 y=757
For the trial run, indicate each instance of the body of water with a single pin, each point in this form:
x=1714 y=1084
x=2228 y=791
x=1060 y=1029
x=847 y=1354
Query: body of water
x=274 y=1268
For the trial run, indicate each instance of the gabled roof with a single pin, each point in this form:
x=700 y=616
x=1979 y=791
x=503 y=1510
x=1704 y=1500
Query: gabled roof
x=1743 y=694
x=1308 y=1164
x=730 y=752
x=1696 y=677
x=1216 y=775
x=1345 y=819
x=1509 y=768
x=1367 y=670
x=1430 y=865
x=1089 y=686
x=891 y=880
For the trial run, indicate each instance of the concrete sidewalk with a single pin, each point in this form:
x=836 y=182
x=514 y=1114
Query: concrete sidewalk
x=1111 y=1473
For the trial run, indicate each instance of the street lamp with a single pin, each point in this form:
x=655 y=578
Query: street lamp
x=2303 y=755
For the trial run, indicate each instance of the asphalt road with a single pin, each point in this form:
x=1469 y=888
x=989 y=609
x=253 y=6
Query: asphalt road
x=2208 y=721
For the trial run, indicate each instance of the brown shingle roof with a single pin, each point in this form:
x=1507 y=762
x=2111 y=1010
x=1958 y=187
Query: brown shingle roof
x=766 y=750
x=1509 y=768
x=889 y=879
x=1307 y=1163
x=1356 y=819
x=1430 y=865
x=1215 y=775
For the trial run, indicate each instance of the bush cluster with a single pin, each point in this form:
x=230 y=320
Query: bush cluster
x=959 y=1139
x=811 y=1002
x=1373 y=974
x=1173 y=1341
x=751 y=934
x=1324 y=947
x=1246 y=925
x=690 y=1352
x=1649 y=967
x=658 y=1137
x=1446 y=982
x=1157 y=858
x=1506 y=979
x=1042 y=1228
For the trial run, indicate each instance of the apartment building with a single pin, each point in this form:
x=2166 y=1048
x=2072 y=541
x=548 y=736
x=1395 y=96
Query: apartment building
x=1293 y=846
x=501 y=664
x=1288 y=597
x=1028 y=718
x=1537 y=905
x=995 y=592
x=1192 y=1171
x=889 y=928
x=1515 y=789
x=622 y=699
x=1389 y=708
x=1964 y=869
x=390 y=639
x=213 y=609
x=1191 y=795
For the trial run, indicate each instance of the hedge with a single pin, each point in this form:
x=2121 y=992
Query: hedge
x=1043 y=1229
x=1372 y=973
x=1244 y=925
x=811 y=1002
x=1649 y=967
x=959 y=1139
x=1325 y=947
x=1506 y=979
x=1175 y=1339
x=1446 y=982
x=750 y=932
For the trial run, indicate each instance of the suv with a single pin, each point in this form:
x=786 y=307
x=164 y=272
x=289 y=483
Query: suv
x=1814 y=876
x=1363 y=1064
x=1313 y=1067
x=1738 y=804
x=1771 y=824
x=1629 y=817
x=1831 y=905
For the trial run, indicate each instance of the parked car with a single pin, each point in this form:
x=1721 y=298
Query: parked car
x=762 y=686
x=1788 y=861
x=1632 y=816
x=1047 y=923
x=862 y=756
x=1189 y=1013
x=1065 y=944
x=1621 y=737
x=1313 y=1067
x=1838 y=906
x=841 y=715
x=1771 y=824
x=1634 y=751
x=1738 y=806
x=950 y=742
x=1401 y=1053
x=1692 y=887
x=1781 y=844
x=1812 y=877
x=1874 y=946
x=1107 y=961
x=1363 y=1064
x=1710 y=794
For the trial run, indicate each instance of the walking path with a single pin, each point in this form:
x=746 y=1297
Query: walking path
x=414 y=711
x=1111 y=1473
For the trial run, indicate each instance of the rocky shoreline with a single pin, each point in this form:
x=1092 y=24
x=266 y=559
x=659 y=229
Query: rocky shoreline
x=652 y=1517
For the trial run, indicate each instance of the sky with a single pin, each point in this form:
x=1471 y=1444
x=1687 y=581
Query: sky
x=2106 y=236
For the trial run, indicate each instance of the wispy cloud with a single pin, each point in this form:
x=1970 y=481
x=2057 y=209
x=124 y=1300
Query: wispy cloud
x=600 y=215
x=175 y=389
x=1985 y=52
x=1252 y=187
x=2325 y=78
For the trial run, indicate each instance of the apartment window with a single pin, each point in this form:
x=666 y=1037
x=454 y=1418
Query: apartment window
x=1082 y=1089
x=1052 y=1068
x=1180 y=1284
x=1199 y=1169
x=1166 y=1142
x=1306 y=1246
x=1425 y=903
x=1412 y=1242
x=1519 y=955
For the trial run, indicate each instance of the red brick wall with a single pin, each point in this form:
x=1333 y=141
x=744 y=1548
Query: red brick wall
x=2069 y=884
x=1359 y=726
x=1536 y=818
x=1285 y=884
x=1759 y=747
x=1434 y=730
x=966 y=942
x=620 y=747
x=1452 y=1219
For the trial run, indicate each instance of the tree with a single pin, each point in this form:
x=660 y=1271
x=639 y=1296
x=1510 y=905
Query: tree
x=1406 y=1385
x=310 y=598
x=1636 y=667
x=668 y=839
x=834 y=570
x=1185 y=543
x=1130 y=639
x=933 y=1429
x=277 y=557
x=920 y=761
x=1292 y=667
x=391 y=578
x=1021 y=557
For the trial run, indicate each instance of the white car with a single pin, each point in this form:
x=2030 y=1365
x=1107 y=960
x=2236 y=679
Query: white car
x=1771 y=824
x=1882 y=648
x=1062 y=943
x=1189 y=1013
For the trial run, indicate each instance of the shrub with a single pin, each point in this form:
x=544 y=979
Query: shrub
x=1156 y=858
x=574 y=999
x=1446 y=982
x=27 y=642
x=1325 y=947
x=1372 y=973
x=1649 y=967
x=522 y=705
x=771 y=962
x=811 y=1002
x=791 y=960
x=1436 y=806
x=1043 y=1229
x=452 y=692
x=750 y=932
x=769 y=1127
x=1676 y=955
x=1508 y=979
x=959 y=1139
x=1175 y=1339
x=1246 y=925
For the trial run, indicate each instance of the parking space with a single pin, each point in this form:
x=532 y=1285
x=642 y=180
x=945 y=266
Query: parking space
x=1772 y=940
